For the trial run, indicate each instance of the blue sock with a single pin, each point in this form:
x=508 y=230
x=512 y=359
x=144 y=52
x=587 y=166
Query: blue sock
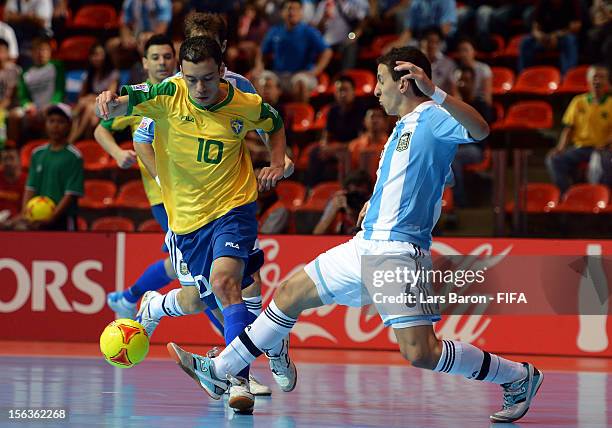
x=214 y=320
x=153 y=278
x=236 y=318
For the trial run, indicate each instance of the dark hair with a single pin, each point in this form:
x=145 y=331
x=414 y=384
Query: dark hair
x=286 y=2
x=158 y=40
x=41 y=40
x=431 y=31
x=4 y=43
x=466 y=69
x=347 y=79
x=200 y=48
x=357 y=178
x=408 y=54
x=465 y=39
x=212 y=24
x=107 y=68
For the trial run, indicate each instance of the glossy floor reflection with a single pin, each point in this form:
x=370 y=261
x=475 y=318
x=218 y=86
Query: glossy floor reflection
x=157 y=394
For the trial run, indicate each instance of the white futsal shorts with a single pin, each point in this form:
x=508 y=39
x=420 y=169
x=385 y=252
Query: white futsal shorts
x=337 y=274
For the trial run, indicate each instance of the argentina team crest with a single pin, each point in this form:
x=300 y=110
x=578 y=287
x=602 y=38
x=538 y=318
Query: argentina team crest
x=237 y=125
x=403 y=142
x=183 y=268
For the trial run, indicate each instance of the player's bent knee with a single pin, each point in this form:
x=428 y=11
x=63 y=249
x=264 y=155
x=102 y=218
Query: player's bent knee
x=420 y=356
x=226 y=287
x=297 y=294
x=420 y=346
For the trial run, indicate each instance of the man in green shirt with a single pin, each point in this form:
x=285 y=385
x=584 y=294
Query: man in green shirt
x=56 y=171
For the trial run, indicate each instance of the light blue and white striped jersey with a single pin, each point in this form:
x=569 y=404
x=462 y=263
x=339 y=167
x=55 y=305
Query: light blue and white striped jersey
x=414 y=166
x=146 y=130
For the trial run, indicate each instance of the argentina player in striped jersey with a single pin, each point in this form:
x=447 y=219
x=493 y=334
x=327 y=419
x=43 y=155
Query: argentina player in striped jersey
x=397 y=221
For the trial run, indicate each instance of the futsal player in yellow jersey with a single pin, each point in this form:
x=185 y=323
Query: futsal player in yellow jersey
x=206 y=176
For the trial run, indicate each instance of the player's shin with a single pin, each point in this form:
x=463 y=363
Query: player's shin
x=266 y=332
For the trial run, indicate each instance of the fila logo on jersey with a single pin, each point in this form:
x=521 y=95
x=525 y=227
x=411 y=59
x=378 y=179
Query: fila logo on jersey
x=403 y=142
x=237 y=126
x=231 y=244
x=183 y=269
x=140 y=87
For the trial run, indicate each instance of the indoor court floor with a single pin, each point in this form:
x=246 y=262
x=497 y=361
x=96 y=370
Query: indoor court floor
x=335 y=389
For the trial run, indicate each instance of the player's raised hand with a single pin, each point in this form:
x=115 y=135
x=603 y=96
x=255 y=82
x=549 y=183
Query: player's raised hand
x=418 y=75
x=269 y=176
x=104 y=102
x=125 y=158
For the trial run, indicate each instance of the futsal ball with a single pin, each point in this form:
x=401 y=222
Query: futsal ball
x=40 y=208
x=124 y=343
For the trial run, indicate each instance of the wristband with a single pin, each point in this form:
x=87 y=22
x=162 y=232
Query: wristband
x=438 y=96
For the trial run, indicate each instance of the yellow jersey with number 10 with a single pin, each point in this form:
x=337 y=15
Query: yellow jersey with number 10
x=202 y=161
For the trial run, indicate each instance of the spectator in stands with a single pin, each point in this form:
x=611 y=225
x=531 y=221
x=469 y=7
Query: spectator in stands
x=600 y=35
x=587 y=127
x=8 y=35
x=12 y=185
x=422 y=15
x=101 y=76
x=341 y=213
x=56 y=171
x=483 y=76
x=9 y=76
x=555 y=27
x=137 y=73
x=375 y=134
x=39 y=86
x=341 y=23
x=387 y=14
x=468 y=154
x=299 y=52
x=29 y=18
x=272 y=214
x=442 y=67
x=344 y=121
x=138 y=16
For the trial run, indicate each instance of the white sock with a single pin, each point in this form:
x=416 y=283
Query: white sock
x=464 y=359
x=253 y=304
x=166 y=305
x=267 y=331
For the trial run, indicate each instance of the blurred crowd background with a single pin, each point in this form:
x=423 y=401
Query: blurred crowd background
x=538 y=71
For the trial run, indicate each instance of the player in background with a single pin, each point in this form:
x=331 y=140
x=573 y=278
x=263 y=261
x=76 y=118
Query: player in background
x=207 y=180
x=397 y=220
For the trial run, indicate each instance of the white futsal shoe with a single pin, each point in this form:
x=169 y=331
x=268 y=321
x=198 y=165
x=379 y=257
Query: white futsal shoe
x=120 y=306
x=240 y=397
x=518 y=395
x=144 y=316
x=257 y=388
x=283 y=369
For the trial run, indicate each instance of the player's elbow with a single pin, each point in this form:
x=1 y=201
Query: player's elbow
x=481 y=131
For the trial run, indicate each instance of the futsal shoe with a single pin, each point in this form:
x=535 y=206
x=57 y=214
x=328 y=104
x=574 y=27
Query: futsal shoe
x=257 y=388
x=240 y=397
x=144 y=313
x=284 y=371
x=199 y=369
x=518 y=395
x=120 y=305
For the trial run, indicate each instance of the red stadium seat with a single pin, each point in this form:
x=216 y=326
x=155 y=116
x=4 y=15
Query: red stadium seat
x=584 y=199
x=499 y=115
x=304 y=156
x=448 y=201
x=82 y=224
x=299 y=115
x=378 y=45
x=132 y=195
x=96 y=17
x=575 y=81
x=27 y=149
x=530 y=115
x=365 y=81
x=99 y=194
x=540 y=80
x=75 y=48
x=323 y=85
x=322 y=193
x=94 y=156
x=291 y=193
x=500 y=47
x=150 y=225
x=512 y=48
x=503 y=79
x=112 y=224
x=483 y=165
x=541 y=198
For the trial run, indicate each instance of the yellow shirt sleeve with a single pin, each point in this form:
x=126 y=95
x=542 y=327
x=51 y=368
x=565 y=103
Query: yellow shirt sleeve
x=149 y=100
x=262 y=115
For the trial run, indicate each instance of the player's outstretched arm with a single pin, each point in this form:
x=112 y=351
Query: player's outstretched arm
x=269 y=176
x=109 y=105
x=465 y=114
x=146 y=153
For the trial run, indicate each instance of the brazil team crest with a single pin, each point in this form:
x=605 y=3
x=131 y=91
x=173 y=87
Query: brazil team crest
x=403 y=142
x=237 y=125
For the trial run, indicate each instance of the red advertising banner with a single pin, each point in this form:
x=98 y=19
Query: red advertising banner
x=71 y=271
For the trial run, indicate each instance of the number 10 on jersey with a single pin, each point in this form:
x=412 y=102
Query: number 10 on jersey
x=209 y=151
